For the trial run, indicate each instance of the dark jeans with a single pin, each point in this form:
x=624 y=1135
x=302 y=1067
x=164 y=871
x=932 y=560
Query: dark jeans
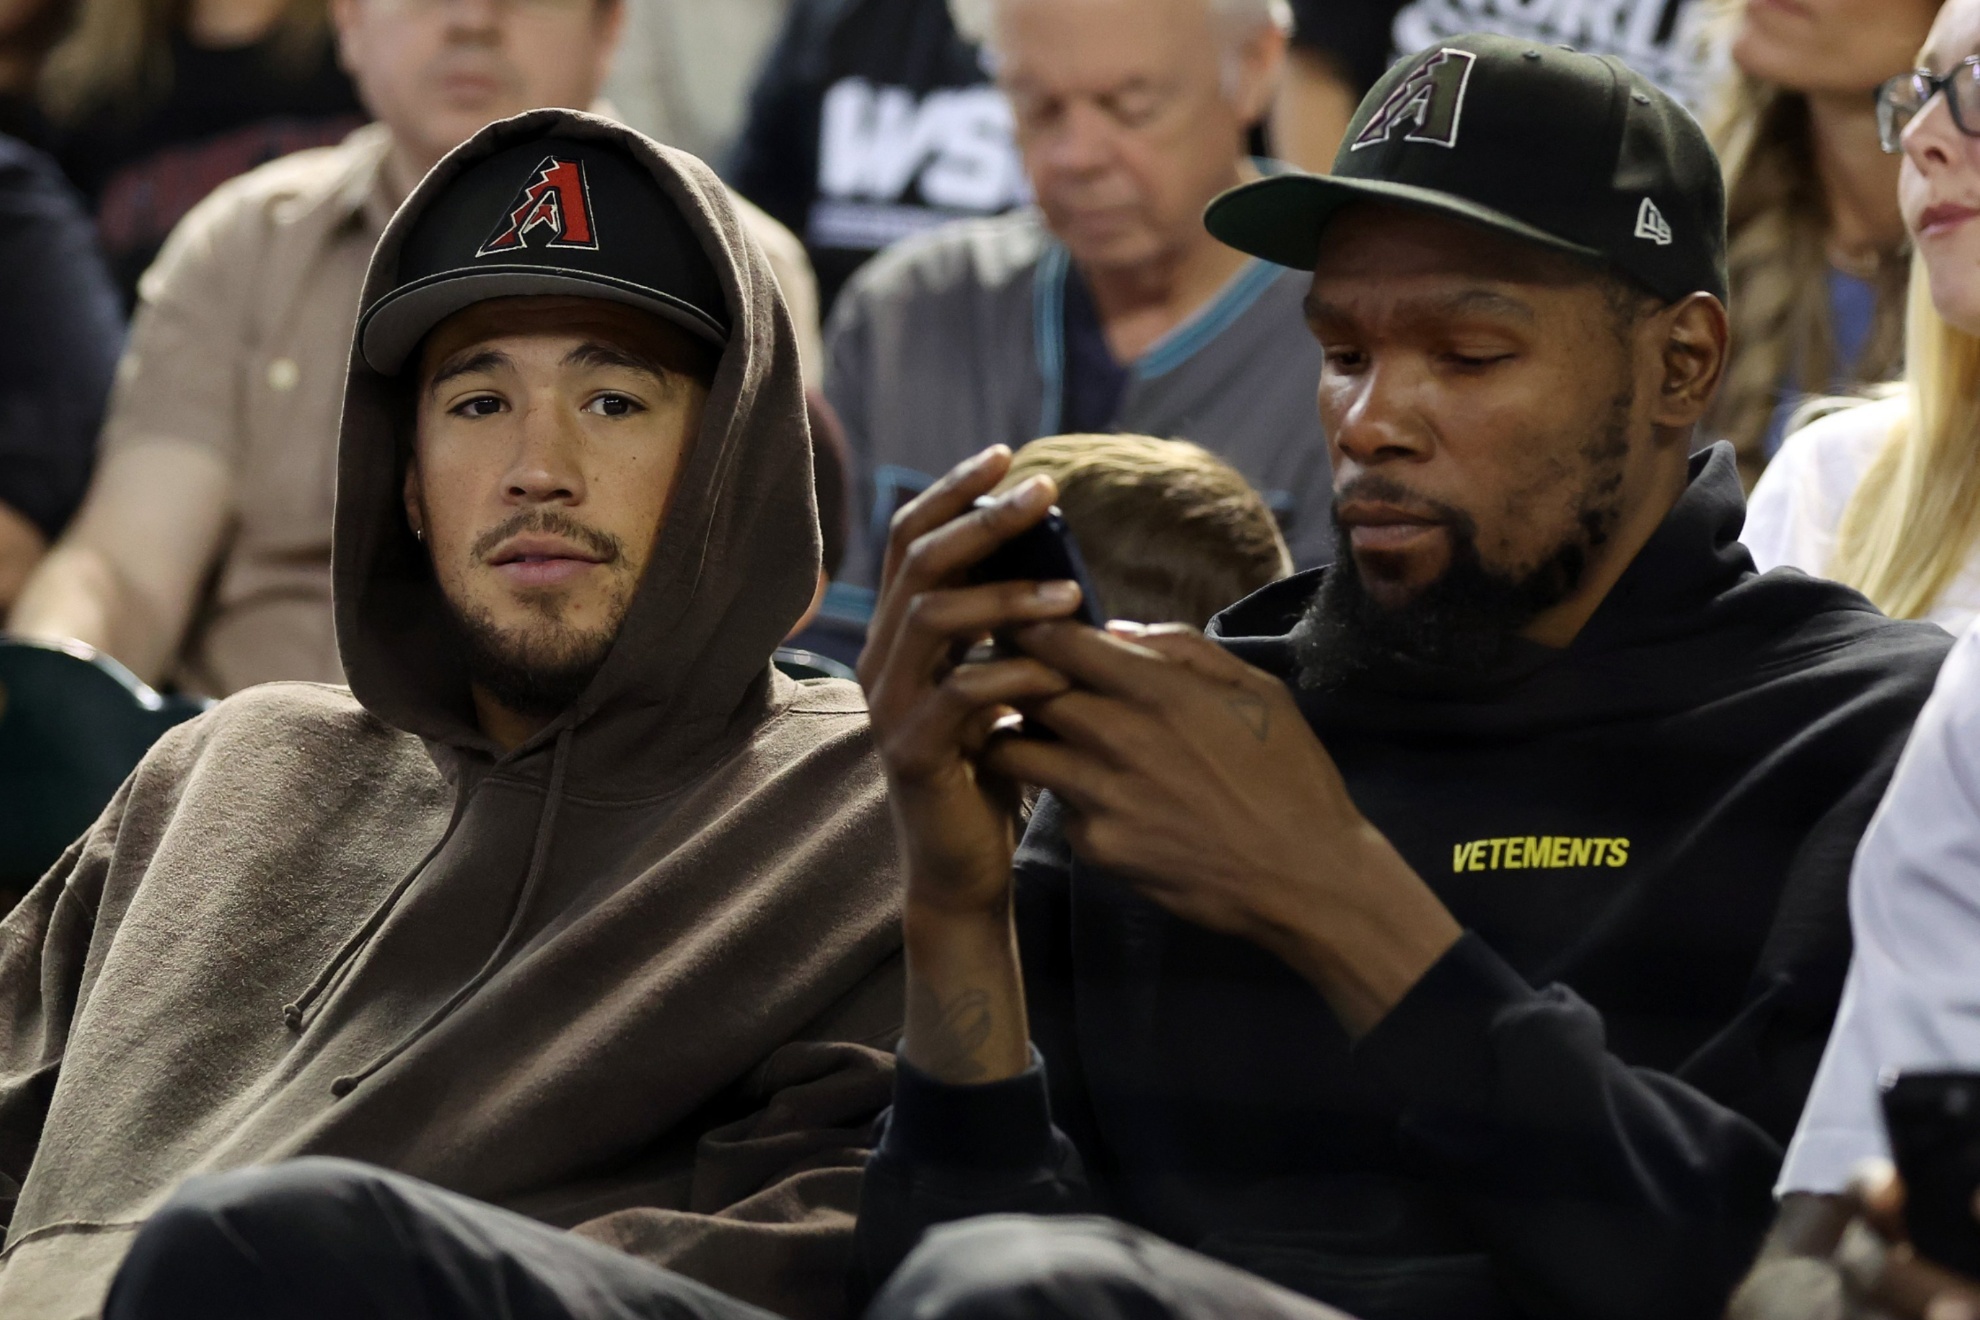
x=329 y=1239
x=1007 y=1267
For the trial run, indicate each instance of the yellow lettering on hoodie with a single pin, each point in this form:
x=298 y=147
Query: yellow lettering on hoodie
x=1540 y=852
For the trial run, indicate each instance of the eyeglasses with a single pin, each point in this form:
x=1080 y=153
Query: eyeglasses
x=1903 y=98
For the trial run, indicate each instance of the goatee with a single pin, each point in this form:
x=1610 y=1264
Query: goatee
x=539 y=670
x=538 y=675
x=1460 y=627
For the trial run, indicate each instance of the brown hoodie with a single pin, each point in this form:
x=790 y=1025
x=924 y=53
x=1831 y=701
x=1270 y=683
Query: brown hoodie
x=637 y=976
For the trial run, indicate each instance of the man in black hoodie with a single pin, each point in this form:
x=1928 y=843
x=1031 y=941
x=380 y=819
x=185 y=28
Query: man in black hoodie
x=1455 y=932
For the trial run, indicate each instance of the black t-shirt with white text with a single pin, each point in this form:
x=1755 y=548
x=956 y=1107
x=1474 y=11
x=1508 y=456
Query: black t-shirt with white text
x=873 y=120
x=1664 y=40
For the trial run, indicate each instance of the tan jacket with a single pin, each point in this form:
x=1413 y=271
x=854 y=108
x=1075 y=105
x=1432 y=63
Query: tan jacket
x=240 y=344
x=636 y=977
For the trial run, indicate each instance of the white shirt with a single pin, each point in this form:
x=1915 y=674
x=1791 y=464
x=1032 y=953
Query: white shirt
x=1797 y=508
x=1912 y=999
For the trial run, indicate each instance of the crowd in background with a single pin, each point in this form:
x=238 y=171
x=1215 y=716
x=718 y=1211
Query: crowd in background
x=856 y=127
x=983 y=237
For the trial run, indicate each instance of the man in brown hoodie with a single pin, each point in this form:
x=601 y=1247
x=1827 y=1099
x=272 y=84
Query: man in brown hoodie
x=570 y=903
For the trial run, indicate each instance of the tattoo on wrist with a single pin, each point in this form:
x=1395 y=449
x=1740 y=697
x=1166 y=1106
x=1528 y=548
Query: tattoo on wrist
x=949 y=1034
x=1252 y=711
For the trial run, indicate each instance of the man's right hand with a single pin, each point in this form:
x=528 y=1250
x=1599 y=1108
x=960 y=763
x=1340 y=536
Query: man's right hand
x=957 y=823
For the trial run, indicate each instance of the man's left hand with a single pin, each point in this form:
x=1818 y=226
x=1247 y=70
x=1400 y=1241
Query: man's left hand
x=1195 y=777
x=1885 y=1276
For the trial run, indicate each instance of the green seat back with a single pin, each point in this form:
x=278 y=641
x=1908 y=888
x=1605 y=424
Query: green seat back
x=73 y=724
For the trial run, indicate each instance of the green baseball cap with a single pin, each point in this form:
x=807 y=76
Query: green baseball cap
x=1575 y=152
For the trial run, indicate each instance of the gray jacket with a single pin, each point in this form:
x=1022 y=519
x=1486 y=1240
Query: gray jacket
x=954 y=340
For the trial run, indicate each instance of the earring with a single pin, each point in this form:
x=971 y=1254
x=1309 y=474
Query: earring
x=419 y=535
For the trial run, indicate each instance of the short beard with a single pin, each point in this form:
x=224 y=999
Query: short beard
x=540 y=670
x=1458 y=627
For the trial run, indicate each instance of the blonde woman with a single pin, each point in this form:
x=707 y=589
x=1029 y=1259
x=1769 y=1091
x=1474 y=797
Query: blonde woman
x=155 y=103
x=1815 y=246
x=1885 y=496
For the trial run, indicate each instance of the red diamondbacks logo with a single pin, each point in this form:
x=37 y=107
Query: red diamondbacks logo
x=556 y=199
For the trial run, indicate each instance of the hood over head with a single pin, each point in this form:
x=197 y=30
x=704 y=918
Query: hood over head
x=641 y=786
x=738 y=556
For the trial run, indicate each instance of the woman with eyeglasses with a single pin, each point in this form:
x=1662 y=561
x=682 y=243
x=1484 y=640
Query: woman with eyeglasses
x=1885 y=495
x=1815 y=246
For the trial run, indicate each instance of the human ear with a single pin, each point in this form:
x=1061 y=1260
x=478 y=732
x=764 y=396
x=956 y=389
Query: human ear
x=1252 y=72
x=1693 y=338
x=410 y=493
x=611 y=18
x=344 y=21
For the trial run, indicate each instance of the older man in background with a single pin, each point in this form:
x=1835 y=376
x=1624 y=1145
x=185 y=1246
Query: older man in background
x=1107 y=307
x=201 y=555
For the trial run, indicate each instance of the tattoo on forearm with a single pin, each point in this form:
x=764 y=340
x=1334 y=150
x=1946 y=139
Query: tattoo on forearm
x=948 y=1035
x=1253 y=711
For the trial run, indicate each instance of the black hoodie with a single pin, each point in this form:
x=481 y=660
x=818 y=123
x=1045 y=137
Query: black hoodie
x=1580 y=1109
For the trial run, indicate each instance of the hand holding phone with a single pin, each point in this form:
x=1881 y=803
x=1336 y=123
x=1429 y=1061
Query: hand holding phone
x=1933 y=1119
x=1044 y=552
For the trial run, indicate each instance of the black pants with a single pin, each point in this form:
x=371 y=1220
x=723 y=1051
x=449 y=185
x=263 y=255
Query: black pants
x=1021 y=1267
x=334 y=1240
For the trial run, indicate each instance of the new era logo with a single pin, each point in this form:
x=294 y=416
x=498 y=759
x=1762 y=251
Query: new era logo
x=556 y=199
x=1650 y=224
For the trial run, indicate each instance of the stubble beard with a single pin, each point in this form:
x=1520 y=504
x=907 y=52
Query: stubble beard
x=1457 y=627
x=540 y=669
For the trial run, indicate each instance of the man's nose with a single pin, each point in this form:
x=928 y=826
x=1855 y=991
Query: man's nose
x=547 y=467
x=1381 y=421
x=1080 y=143
x=477 y=20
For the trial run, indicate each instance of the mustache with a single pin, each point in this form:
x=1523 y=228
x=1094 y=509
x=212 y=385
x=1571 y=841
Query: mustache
x=1376 y=488
x=550 y=522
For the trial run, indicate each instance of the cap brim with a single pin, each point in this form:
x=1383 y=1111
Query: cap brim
x=393 y=327
x=1282 y=218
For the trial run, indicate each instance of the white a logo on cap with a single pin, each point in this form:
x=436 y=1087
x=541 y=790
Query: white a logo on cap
x=1430 y=101
x=1650 y=224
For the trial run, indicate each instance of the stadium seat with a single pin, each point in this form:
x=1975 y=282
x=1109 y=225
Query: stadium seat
x=809 y=664
x=73 y=725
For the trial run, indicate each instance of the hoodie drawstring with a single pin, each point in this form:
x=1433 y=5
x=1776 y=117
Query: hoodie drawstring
x=293 y=1014
x=546 y=825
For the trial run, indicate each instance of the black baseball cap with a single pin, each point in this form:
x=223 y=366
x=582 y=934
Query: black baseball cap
x=550 y=216
x=1574 y=152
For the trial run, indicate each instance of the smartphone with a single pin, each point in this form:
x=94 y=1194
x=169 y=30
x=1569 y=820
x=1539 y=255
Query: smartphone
x=1933 y=1119
x=1044 y=552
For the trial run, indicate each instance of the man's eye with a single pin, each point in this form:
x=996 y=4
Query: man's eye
x=1134 y=109
x=482 y=405
x=613 y=405
x=1345 y=359
x=1476 y=361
